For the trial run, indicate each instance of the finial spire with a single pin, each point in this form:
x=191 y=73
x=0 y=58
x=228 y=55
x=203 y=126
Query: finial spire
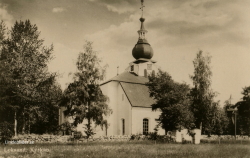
x=142 y=30
x=142 y=6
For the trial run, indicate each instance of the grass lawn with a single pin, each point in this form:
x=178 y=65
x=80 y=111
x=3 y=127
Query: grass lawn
x=132 y=149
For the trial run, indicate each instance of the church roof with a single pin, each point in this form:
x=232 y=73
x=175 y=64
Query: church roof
x=135 y=89
x=138 y=94
x=128 y=77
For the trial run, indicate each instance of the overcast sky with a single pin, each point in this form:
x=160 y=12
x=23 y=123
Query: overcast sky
x=177 y=30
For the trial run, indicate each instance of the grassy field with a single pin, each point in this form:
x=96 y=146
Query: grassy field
x=132 y=149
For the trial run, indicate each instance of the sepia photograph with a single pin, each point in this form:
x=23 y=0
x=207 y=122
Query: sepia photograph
x=124 y=78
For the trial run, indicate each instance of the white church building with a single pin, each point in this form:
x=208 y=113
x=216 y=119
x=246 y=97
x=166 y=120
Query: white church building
x=129 y=96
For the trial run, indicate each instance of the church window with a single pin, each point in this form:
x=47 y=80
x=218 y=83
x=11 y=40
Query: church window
x=145 y=126
x=106 y=130
x=145 y=73
x=64 y=114
x=123 y=126
x=153 y=72
x=149 y=66
x=132 y=68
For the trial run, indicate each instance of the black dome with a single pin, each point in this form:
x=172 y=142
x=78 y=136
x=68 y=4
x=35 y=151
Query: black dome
x=142 y=50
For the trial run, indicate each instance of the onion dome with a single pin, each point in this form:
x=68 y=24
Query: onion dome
x=142 y=49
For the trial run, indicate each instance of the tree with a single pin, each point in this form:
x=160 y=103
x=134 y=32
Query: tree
x=217 y=121
x=202 y=94
x=5 y=127
x=25 y=59
x=5 y=113
x=43 y=118
x=243 y=119
x=83 y=97
x=2 y=32
x=230 y=116
x=172 y=99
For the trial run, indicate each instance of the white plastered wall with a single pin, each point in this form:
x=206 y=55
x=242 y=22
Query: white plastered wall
x=124 y=111
x=110 y=90
x=120 y=106
x=139 y=68
x=140 y=113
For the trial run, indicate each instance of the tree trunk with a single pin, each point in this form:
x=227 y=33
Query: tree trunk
x=23 y=128
x=29 y=125
x=15 y=125
x=201 y=127
x=88 y=129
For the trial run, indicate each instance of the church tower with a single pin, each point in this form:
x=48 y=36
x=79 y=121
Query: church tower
x=142 y=52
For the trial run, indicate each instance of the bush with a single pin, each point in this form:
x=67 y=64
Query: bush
x=66 y=128
x=77 y=134
x=153 y=136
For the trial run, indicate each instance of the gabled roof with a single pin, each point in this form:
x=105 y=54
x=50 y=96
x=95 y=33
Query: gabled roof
x=138 y=94
x=128 y=77
x=135 y=89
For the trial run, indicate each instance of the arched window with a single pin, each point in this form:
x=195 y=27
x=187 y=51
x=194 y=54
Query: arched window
x=145 y=126
x=145 y=73
x=153 y=72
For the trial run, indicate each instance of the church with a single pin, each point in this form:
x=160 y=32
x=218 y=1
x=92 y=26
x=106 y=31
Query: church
x=129 y=96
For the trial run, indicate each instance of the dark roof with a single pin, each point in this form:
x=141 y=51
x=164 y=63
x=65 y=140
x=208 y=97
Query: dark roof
x=143 y=60
x=138 y=94
x=135 y=89
x=128 y=77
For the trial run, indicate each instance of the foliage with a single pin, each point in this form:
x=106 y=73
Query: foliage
x=243 y=120
x=30 y=91
x=202 y=94
x=83 y=97
x=217 y=120
x=78 y=134
x=153 y=136
x=172 y=99
x=66 y=128
x=6 y=132
x=230 y=117
x=89 y=131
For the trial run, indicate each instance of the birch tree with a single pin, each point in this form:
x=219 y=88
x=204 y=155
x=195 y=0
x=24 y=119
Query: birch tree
x=83 y=97
x=202 y=94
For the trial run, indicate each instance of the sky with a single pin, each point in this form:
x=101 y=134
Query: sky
x=177 y=31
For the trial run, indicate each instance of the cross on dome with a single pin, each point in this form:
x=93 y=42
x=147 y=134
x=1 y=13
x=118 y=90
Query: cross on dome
x=142 y=6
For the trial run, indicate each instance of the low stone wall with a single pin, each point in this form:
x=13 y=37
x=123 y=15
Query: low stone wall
x=43 y=138
x=68 y=138
x=225 y=137
x=111 y=138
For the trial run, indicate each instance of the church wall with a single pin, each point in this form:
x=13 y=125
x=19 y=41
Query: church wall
x=121 y=108
x=140 y=68
x=138 y=114
x=111 y=90
x=143 y=66
x=124 y=112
